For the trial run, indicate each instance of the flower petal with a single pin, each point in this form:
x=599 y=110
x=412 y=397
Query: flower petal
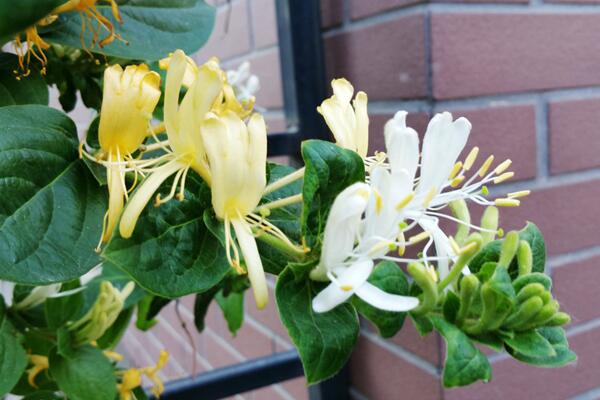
x=329 y=298
x=402 y=145
x=385 y=301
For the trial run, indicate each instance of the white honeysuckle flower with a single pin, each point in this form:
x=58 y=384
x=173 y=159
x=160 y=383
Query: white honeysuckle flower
x=348 y=266
x=38 y=295
x=6 y=290
x=346 y=118
x=245 y=85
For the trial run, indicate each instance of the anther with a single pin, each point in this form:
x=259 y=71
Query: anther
x=455 y=170
x=503 y=166
x=505 y=176
x=470 y=160
x=429 y=197
x=419 y=237
x=486 y=166
x=405 y=201
x=516 y=195
x=457 y=181
x=507 y=202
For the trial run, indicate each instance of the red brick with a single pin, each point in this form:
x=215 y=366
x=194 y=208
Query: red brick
x=264 y=22
x=576 y=288
x=228 y=39
x=574 y=135
x=568 y=216
x=379 y=374
x=276 y=124
x=506 y=132
x=361 y=8
x=513 y=380
x=366 y=57
x=491 y=53
x=332 y=13
x=416 y=120
x=269 y=316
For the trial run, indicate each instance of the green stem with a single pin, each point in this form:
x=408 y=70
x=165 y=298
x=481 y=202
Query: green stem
x=281 y=245
x=286 y=180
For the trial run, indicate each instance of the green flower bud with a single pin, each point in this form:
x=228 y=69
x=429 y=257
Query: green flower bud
x=425 y=281
x=529 y=309
x=471 y=247
x=469 y=286
x=559 y=319
x=541 y=318
x=530 y=290
x=509 y=248
x=524 y=258
x=461 y=211
x=489 y=221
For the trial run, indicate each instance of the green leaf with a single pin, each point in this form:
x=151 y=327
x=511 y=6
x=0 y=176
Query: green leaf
x=59 y=310
x=530 y=344
x=324 y=340
x=329 y=170
x=491 y=252
x=451 y=306
x=13 y=358
x=148 y=308
x=15 y=18
x=43 y=395
x=151 y=29
x=87 y=375
x=51 y=209
x=65 y=346
x=232 y=306
x=201 y=304
x=464 y=363
x=31 y=89
x=557 y=338
x=171 y=252
x=388 y=277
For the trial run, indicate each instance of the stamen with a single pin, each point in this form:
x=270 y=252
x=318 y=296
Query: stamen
x=401 y=239
x=507 y=202
x=430 y=195
x=484 y=190
x=505 y=176
x=454 y=245
x=470 y=160
x=181 y=194
x=378 y=202
x=171 y=194
x=455 y=170
x=502 y=166
x=404 y=202
x=457 y=181
x=486 y=166
x=286 y=180
x=516 y=195
x=419 y=237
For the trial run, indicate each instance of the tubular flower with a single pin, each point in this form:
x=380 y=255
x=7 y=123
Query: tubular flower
x=441 y=179
x=348 y=265
x=129 y=98
x=35 y=46
x=38 y=295
x=237 y=155
x=40 y=364
x=89 y=12
x=349 y=123
x=184 y=148
x=102 y=315
x=132 y=378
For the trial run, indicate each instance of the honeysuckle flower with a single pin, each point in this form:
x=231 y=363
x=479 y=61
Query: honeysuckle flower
x=346 y=118
x=132 y=378
x=244 y=84
x=184 y=148
x=237 y=155
x=89 y=12
x=348 y=266
x=129 y=98
x=6 y=290
x=33 y=45
x=39 y=364
x=103 y=314
x=37 y=296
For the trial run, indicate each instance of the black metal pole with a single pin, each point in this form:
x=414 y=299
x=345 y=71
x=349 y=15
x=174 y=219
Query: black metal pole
x=235 y=379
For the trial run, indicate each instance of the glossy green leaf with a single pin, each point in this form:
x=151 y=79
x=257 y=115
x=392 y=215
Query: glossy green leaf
x=59 y=310
x=151 y=29
x=557 y=338
x=464 y=363
x=14 y=19
x=51 y=209
x=388 y=277
x=13 y=358
x=324 y=340
x=171 y=252
x=86 y=375
x=530 y=344
x=148 y=308
x=329 y=170
x=201 y=304
x=451 y=306
x=232 y=306
x=110 y=339
x=31 y=89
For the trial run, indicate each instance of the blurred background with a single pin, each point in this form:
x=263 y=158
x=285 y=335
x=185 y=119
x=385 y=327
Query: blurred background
x=526 y=73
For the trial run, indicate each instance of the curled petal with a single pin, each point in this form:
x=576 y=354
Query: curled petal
x=385 y=301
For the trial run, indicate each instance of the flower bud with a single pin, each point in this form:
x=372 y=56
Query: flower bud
x=559 y=319
x=524 y=313
x=425 y=281
x=530 y=290
x=461 y=211
x=510 y=245
x=489 y=221
x=524 y=258
x=469 y=286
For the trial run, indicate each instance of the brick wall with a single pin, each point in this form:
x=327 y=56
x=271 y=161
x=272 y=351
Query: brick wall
x=527 y=74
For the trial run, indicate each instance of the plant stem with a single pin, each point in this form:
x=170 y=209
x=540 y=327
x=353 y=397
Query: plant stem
x=297 y=198
x=280 y=245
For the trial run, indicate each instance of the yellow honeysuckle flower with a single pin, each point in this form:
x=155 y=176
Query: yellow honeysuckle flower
x=40 y=363
x=184 y=148
x=132 y=378
x=237 y=154
x=348 y=122
x=88 y=11
x=129 y=98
